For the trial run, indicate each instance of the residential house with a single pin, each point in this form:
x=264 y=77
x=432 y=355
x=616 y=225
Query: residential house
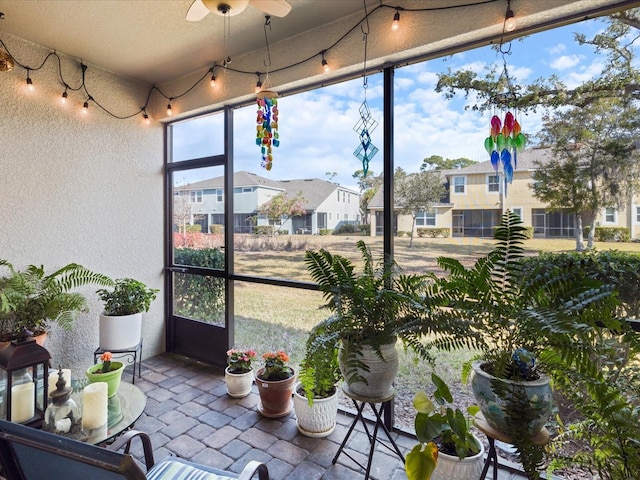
x=327 y=205
x=477 y=195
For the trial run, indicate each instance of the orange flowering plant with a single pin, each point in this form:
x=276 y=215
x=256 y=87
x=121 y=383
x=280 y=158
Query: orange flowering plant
x=275 y=366
x=240 y=361
x=106 y=358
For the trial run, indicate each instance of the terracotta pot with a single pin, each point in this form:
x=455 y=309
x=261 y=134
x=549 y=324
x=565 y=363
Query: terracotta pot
x=112 y=378
x=275 y=396
x=238 y=384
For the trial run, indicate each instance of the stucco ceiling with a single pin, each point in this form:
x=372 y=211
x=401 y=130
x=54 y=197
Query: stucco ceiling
x=150 y=40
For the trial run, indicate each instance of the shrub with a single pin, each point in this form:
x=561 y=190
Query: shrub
x=282 y=232
x=198 y=296
x=219 y=229
x=197 y=228
x=612 y=234
x=365 y=229
x=434 y=232
x=263 y=230
x=325 y=231
x=345 y=228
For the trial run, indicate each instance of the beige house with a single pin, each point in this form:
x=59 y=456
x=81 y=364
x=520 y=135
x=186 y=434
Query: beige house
x=477 y=195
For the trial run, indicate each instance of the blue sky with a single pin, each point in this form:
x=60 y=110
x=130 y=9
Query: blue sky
x=316 y=128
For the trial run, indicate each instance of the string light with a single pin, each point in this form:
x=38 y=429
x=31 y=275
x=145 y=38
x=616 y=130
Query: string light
x=396 y=20
x=509 y=19
x=85 y=106
x=5 y=56
x=63 y=99
x=29 y=81
x=325 y=66
x=145 y=118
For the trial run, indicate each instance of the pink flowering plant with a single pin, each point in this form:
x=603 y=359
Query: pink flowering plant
x=275 y=366
x=240 y=361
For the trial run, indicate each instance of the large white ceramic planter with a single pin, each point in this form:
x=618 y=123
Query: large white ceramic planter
x=450 y=467
x=381 y=374
x=317 y=420
x=238 y=384
x=120 y=333
x=538 y=393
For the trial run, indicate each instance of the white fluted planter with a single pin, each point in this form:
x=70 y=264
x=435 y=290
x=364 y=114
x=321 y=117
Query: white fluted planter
x=120 y=332
x=450 y=467
x=238 y=384
x=381 y=374
x=317 y=420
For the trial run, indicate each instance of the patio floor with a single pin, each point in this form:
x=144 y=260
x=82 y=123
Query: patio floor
x=189 y=414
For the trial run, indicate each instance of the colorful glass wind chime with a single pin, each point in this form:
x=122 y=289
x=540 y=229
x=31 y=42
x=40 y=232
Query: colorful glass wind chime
x=366 y=125
x=267 y=135
x=506 y=139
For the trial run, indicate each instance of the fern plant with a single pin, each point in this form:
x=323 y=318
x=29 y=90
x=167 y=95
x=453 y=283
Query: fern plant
x=514 y=319
x=369 y=307
x=319 y=370
x=30 y=299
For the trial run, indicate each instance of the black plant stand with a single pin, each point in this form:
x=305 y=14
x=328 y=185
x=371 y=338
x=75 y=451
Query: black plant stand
x=378 y=405
x=133 y=355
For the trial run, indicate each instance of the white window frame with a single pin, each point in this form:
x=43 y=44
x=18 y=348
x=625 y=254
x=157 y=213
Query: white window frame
x=195 y=196
x=490 y=184
x=219 y=195
x=637 y=214
x=463 y=185
x=423 y=217
x=519 y=212
x=605 y=214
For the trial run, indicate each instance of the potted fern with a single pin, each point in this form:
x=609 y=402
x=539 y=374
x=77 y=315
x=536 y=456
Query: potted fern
x=524 y=325
x=315 y=396
x=32 y=299
x=369 y=310
x=121 y=320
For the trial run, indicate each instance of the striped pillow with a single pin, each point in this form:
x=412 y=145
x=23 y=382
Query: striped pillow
x=178 y=469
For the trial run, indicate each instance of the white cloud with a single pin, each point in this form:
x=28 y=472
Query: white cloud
x=565 y=61
x=558 y=49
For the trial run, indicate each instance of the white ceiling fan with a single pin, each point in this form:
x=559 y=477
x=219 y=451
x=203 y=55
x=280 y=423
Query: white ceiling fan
x=201 y=8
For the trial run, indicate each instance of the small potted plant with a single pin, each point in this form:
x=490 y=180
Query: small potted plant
x=275 y=384
x=121 y=320
x=438 y=423
x=30 y=299
x=108 y=371
x=315 y=397
x=239 y=372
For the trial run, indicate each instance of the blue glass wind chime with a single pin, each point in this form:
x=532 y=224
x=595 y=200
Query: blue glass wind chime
x=505 y=139
x=366 y=125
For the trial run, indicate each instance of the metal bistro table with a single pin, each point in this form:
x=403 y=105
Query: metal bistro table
x=125 y=407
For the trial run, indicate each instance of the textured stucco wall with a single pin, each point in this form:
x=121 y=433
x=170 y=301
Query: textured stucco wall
x=81 y=188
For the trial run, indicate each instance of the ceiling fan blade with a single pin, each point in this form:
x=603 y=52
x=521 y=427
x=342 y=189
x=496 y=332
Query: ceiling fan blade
x=277 y=8
x=197 y=11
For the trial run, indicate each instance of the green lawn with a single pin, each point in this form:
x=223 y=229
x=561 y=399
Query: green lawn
x=273 y=318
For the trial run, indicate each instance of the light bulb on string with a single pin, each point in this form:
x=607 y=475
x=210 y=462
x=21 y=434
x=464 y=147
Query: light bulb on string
x=509 y=19
x=258 y=86
x=396 y=21
x=85 y=106
x=63 y=98
x=213 y=81
x=29 y=82
x=325 y=66
x=145 y=118
x=169 y=110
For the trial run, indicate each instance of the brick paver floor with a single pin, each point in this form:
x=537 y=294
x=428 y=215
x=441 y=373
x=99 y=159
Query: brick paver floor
x=190 y=415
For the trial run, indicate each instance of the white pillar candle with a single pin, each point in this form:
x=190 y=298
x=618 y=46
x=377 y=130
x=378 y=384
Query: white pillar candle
x=53 y=379
x=94 y=405
x=22 y=406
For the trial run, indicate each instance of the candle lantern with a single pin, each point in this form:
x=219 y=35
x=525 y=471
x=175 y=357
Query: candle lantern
x=24 y=373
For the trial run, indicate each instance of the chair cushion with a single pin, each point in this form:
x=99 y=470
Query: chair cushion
x=178 y=469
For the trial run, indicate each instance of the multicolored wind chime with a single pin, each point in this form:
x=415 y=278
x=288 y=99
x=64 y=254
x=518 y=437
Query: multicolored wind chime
x=504 y=143
x=267 y=135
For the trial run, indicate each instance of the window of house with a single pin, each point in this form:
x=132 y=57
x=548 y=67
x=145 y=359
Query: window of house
x=638 y=214
x=610 y=215
x=247 y=189
x=196 y=196
x=346 y=217
x=426 y=219
x=338 y=195
x=459 y=184
x=344 y=196
x=493 y=183
x=518 y=212
x=219 y=194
